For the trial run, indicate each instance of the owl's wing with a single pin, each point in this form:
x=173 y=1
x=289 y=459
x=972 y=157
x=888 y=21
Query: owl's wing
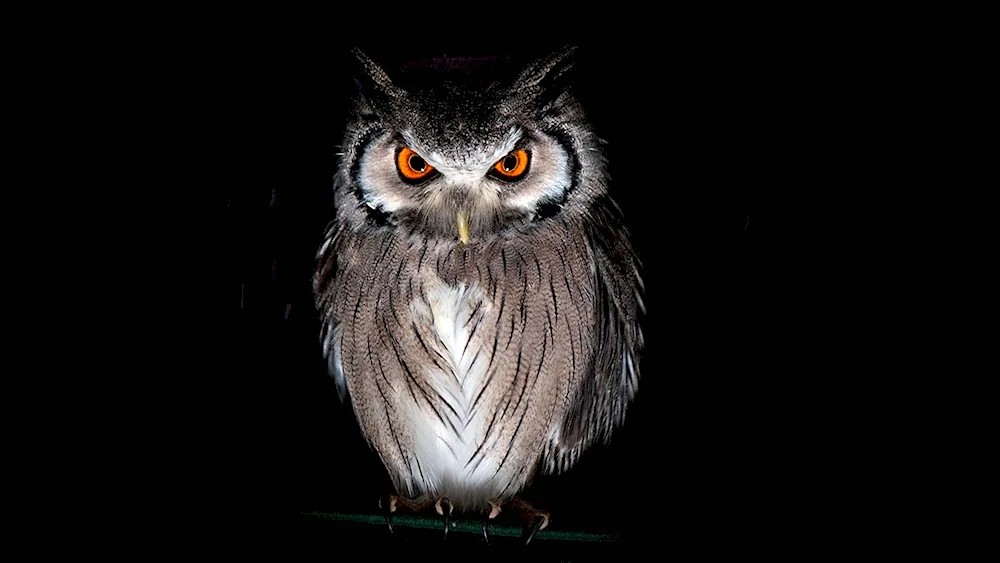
x=611 y=376
x=323 y=289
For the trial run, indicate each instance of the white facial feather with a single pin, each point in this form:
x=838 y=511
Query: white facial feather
x=548 y=177
x=474 y=167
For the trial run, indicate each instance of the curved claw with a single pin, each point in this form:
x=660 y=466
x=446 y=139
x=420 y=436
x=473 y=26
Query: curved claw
x=494 y=505
x=444 y=508
x=538 y=524
x=388 y=505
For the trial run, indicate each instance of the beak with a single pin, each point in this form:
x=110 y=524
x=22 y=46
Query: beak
x=463 y=227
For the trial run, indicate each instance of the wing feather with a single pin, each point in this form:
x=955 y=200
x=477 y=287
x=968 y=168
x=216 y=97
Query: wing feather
x=611 y=375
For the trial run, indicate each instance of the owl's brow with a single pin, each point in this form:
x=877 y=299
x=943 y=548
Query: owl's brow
x=515 y=138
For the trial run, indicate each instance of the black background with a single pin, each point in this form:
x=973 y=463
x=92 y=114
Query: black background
x=715 y=449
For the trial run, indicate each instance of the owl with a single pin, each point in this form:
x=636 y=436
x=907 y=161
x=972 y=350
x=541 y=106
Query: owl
x=478 y=294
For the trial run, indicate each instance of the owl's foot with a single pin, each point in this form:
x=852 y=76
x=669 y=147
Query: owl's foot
x=535 y=520
x=494 y=511
x=390 y=503
x=387 y=504
x=444 y=507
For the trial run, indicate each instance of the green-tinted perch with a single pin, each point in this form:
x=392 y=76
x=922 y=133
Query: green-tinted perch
x=471 y=526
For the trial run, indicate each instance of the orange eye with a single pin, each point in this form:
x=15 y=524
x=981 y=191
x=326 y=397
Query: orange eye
x=412 y=166
x=512 y=166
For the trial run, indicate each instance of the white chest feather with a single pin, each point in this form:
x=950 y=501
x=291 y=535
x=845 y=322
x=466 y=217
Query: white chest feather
x=448 y=451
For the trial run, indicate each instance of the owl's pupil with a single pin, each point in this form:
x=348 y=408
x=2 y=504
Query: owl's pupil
x=510 y=162
x=417 y=163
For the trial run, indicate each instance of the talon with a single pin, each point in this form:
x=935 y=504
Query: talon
x=444 y=513
x=388 y=505
x=493 y=513
x=541 y=521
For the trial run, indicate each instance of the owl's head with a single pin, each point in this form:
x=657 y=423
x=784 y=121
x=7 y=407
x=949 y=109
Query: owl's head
x=466 y=161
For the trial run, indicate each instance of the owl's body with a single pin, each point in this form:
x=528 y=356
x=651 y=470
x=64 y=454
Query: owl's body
x=483 y=316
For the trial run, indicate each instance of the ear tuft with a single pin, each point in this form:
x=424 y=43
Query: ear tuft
x=548 y=72
x=372 y=81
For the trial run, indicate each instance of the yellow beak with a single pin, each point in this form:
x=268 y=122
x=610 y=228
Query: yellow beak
x=463 y=227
